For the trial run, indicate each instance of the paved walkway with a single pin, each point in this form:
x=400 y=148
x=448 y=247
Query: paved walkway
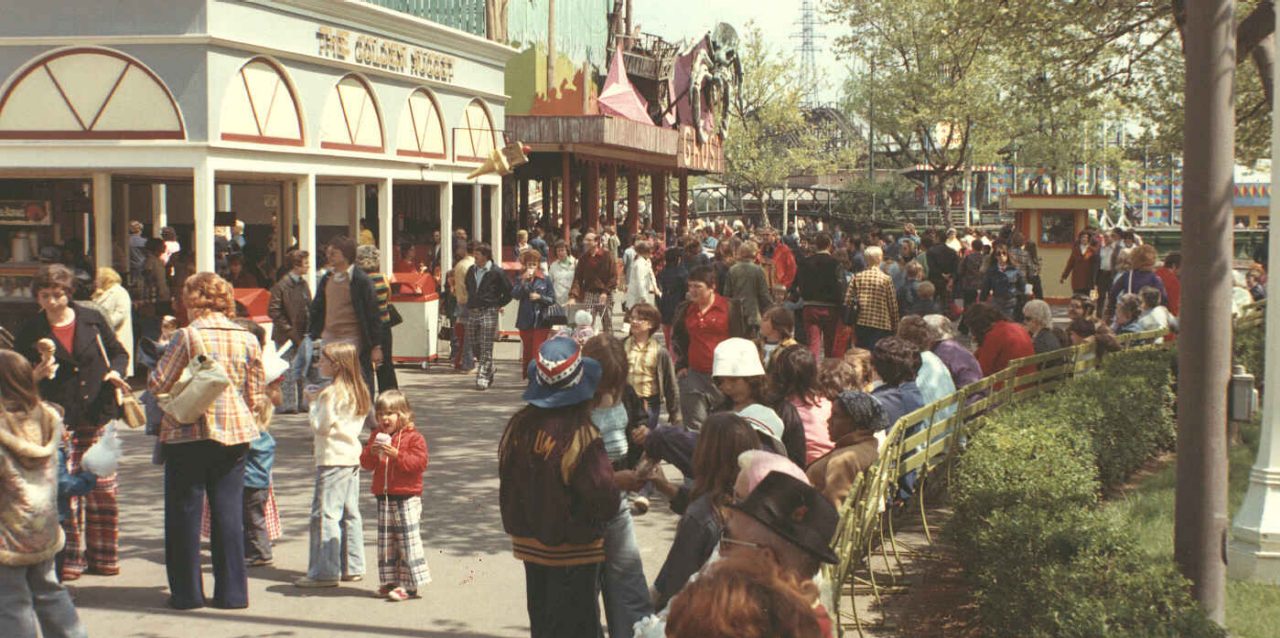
x=478 y=588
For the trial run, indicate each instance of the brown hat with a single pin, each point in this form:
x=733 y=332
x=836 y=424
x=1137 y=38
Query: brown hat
x=795 y=511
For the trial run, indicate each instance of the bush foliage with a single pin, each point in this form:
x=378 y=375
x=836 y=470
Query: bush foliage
x=1045 y=559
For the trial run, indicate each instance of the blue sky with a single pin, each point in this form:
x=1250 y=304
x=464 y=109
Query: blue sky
x=676 y=19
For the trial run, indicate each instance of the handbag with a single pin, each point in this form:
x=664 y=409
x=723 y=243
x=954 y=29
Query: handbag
x=446 y=328
x=395 y=319
x=130 y=409
x=204 y=380
x=849 y=314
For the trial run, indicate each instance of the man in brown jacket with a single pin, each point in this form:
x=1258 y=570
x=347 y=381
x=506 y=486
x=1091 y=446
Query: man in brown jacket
x=594 y=281
x=290 y=313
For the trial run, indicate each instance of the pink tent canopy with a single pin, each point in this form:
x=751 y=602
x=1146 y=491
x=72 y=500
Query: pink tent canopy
x=619 y=97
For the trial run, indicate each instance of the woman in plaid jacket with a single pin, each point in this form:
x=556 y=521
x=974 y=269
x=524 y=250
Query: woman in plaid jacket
x=207 y=456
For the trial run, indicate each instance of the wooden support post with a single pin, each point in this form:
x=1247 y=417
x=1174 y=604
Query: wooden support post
x=633 y=202
x=659 y=191
x=593 y=196
x=566 y=195
x=611 y=195
x=684 y=202
x=523 y=197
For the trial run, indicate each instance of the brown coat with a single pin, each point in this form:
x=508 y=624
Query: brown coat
x=597 y=272
x=833 y=474
x=1082 y=268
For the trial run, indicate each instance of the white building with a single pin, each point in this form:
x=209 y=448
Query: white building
x=301 y=117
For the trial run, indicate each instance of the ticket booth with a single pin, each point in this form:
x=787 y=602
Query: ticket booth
x=1052 y=222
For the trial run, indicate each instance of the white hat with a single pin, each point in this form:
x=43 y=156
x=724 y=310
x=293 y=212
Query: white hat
x=736 y=357
x=582 y=318
x=763 y=420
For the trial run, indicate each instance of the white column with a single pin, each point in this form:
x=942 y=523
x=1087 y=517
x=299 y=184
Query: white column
x=204 y=207
x=222 y=200
x=101 y=219
x=306 y=215
x=446 y=230
x=357 y=210
x=476 y=226
x=1254 y=550
x=384 y=226
x=159 y=207
x=495 y=221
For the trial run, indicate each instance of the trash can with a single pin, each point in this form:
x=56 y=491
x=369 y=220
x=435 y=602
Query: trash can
x=416 y=297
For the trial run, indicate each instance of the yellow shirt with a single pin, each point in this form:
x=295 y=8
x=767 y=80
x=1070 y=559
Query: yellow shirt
x=642 y=367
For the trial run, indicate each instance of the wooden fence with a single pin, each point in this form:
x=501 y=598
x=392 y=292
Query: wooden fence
x=924 y=442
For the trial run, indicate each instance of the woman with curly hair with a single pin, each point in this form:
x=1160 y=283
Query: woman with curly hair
x=999 y=340
x=207 y=457
x=1141 y=273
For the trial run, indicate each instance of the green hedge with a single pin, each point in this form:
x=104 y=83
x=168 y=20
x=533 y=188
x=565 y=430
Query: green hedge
x=1045 y=559
x=1247 y=349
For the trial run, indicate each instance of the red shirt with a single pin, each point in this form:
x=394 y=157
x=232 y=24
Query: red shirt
x=784 y=265
x=1172 y=288
x=1005 y=342
x=706 y=331
x=401 y=476
x=66 y=335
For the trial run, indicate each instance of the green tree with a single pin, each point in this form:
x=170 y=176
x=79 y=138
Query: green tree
x=769 y=139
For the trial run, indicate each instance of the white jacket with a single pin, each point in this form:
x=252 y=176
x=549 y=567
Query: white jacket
x=337 y=436
x=118 y=310
x=641 y=282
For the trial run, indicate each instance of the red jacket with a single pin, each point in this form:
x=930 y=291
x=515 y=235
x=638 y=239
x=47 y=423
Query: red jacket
x=1005 y=342
x=784 y=265
x=1082 y=268
x=1172 y=288
x=401 y=476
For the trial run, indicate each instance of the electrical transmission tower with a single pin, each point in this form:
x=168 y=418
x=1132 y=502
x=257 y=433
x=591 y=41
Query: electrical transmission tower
x=808 y=50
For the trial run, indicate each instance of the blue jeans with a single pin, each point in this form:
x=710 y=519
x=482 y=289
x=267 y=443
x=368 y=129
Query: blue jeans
x=337 y=531
x=626 y=594
x=299 y=374
x=31 y=597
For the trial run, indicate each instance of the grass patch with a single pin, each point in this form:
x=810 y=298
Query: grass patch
x=1253 y=611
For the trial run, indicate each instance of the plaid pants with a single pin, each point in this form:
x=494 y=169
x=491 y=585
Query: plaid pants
x=93 y=528
x=481 y=332
x=401 y=559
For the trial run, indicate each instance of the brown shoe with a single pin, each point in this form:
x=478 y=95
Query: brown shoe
x=104 y=571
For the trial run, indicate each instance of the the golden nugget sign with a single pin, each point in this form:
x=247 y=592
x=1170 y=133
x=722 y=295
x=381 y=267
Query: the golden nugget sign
x=387 y=55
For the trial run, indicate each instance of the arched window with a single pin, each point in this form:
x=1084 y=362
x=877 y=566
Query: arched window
x=475 y=138
x=260 y=106
x=351 y=119
x=89 y=93
x=421 y=131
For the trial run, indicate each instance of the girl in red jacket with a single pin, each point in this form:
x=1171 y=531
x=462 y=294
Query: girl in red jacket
x=396 y=453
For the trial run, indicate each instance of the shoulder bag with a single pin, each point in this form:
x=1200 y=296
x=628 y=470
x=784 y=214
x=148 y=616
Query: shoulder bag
x=204 y=380
x=130 y=409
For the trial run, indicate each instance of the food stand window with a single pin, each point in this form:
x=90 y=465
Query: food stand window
x=1057 y=227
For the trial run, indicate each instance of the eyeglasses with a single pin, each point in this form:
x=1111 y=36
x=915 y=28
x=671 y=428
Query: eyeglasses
x=726 y=541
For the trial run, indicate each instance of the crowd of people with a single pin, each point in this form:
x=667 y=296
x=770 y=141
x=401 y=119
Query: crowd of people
x=764 y=367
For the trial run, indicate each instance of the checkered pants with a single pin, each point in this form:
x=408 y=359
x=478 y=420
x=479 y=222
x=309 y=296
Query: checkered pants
x=481 y=331
x=93 y=528
x=401 y=559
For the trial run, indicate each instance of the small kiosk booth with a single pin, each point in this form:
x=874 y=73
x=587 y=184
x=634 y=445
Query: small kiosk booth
x=1052 y=222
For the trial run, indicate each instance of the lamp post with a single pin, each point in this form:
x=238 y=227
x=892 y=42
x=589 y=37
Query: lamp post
x=1254 y=550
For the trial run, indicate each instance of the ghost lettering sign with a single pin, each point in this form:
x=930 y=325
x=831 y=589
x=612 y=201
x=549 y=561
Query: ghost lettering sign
x=24 y=213
x=380 y=53
x=707 y=157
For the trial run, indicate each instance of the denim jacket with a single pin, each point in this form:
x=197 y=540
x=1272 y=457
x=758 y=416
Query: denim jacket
x=531 y=314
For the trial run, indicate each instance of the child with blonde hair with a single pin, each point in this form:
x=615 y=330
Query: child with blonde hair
x=338 y=414
x=397 y=456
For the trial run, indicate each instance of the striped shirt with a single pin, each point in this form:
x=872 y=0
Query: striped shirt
x=230 y=420
x=382 y=292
